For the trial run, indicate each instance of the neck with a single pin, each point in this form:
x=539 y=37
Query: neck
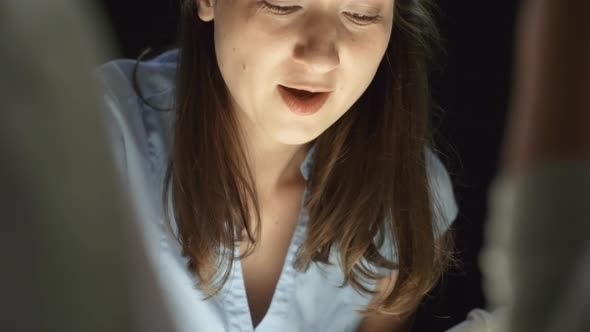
x=275 y=166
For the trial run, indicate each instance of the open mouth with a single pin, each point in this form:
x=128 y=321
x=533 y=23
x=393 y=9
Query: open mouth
x=301 y=101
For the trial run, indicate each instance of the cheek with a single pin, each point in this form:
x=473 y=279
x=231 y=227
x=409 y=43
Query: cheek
x=229 y=45
x=244 y=51
x=229 y=58
x=371 y=48
x=360 y=63
x=365 y=58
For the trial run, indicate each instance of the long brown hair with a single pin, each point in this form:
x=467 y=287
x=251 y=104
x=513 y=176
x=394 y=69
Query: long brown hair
x=368 y=180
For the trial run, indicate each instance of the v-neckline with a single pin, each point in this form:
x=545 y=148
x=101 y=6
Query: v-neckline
x=236 y=301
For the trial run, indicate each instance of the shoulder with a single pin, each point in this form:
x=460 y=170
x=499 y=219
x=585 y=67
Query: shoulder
x=138 y=132
x=444 y=205
x=153 y=77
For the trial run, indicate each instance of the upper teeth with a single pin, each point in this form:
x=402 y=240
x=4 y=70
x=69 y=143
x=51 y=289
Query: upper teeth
x=300 y=91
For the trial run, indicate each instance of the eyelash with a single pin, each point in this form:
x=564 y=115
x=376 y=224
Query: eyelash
x=283 y=10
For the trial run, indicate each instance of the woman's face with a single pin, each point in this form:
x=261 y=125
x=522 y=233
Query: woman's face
x=332 y=44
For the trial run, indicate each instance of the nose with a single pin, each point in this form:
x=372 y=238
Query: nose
x=317 y=48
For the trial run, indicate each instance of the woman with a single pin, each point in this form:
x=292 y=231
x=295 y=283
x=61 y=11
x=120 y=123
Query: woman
x=289 y=143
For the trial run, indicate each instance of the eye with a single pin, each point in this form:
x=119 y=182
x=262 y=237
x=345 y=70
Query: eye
x=362 y=19
x=280 y=10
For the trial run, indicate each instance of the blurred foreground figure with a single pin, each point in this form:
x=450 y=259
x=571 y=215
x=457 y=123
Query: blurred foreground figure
x=68 y=241
x=536 y=260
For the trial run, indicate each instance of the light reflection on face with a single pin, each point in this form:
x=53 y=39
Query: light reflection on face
x=261 y=44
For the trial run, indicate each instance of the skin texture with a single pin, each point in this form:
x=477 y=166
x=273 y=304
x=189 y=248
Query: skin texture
x=257 y=50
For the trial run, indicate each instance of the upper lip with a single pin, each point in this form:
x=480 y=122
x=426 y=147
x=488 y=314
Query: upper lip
x=309 y=87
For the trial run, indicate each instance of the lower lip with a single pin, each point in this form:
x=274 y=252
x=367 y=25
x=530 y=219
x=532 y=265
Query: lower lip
x=303 y=106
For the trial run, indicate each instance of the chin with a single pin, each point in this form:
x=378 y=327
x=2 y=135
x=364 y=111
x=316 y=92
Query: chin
x=296 y=140
x=294 y=137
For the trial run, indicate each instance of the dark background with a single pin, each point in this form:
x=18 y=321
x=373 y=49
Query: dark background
x=471 y=93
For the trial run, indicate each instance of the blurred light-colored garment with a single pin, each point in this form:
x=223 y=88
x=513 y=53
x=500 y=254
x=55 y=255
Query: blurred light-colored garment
x=71 y=257
x=479 y=320
x=536 y=258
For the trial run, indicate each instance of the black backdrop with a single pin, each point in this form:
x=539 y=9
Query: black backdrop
x=471 y=93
